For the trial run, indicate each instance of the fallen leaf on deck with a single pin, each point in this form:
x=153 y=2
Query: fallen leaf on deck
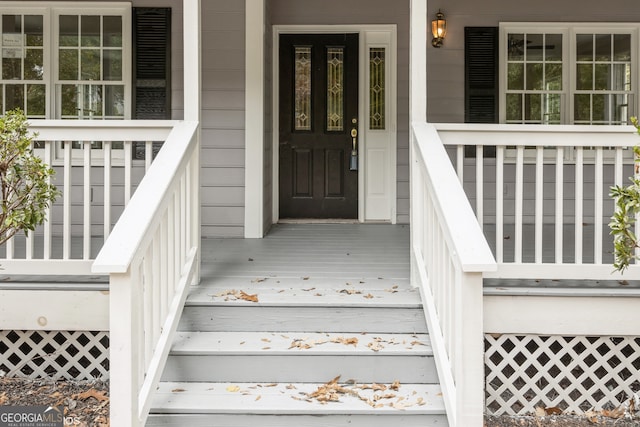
x=265 y=340
x=305 y=278
x=258 y=398
x=418 y=343
x=317 y=295
x=350 y=292
x=346 y=341
x=260 y=280
x=309 y=290
x=250 y=259
x=244 y=296
x=270 y=385
x=291 y=387
x=233 y=389
x=368 y=296
x=395 y=386
x=266 y=348
x=98 y=395
x=177 y=390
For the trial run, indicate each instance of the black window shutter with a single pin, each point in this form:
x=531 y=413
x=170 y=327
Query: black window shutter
x=151 y=63
x=481 y=74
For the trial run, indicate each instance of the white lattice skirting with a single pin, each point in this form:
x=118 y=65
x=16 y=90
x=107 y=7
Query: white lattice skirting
x=572 y=373
x=54 y=354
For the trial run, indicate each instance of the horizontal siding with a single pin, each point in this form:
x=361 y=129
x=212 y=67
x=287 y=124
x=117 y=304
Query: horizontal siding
x=445 y=66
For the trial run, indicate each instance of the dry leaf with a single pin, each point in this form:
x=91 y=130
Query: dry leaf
x=592 y=416
x=368 y=296
x=540 y=411
x=553 y=410
x=309 y=290
x=615 y=413
x=305 y=278
x=346 y=341
x=244 y=296
x=98 y=395
x=3 y=398
x=266 y=340
x=350 y=292
x=291 y=387
x=233 y=389
x=259 y=280
x=258 y=398
x=395 y=386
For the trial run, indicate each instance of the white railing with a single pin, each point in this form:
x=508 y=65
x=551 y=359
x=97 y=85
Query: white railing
x=449 y=257
x=151 y=257
x=95 y=187
x=541 y=193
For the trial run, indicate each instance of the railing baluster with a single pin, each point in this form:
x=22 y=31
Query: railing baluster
x=48 y=153
x=539 y=203
x=149 y=306
x=148 y=155
x=597 y=229
x=579 y=195
x=559 y=204
x=107 y=191
x=480 y=185
x=86 y=202
x=518 y=203
x=460 y=163
x=500 y=204
x=66 y=203
x=128 y=165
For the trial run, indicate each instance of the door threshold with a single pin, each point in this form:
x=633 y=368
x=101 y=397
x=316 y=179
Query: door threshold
x=317 y=221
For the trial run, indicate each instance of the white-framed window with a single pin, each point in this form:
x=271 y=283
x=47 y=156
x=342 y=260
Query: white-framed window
x=67 y=60
x=568 y=73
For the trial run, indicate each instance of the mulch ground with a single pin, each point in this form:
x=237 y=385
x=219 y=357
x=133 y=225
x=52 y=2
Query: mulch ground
x=86 y=403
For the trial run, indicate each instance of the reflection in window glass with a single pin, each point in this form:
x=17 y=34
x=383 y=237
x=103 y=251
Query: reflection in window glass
x=36 y=100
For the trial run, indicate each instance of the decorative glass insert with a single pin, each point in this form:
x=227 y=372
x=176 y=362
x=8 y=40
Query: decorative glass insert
x=534 y=78
x=22 y=47
x=302 y=89
x=603 y=89
x=335 y=89
x=377 y=85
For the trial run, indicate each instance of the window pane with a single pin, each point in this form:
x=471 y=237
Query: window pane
x=533 y=107
x=68 y=35
x=599 y=109
x=90 y=31
x=11 y=66
x=33 y=30
x=377 y=88
x=15 y=97
x=584 y=47
x=553 y=47
x=515 y=77
x=584 y=77
x=112 y=31
x=114 y=101
x=36 y=100
x=621 y=112
x=92 y=101
x=90 y=64
x=516 y=47
x=603 y=47
x=582 y=108
x=602 y=77
x=514 y=107
x=112 y=65
x=69 y=100
x=552 y=108
x=621 y=77
x=33 y=64
x=335 y=89
x=68 y=64
x=302 y=88
x=553 y=76
x=534 y=47
x=12 y=24
x=622 y=47
x=534 y=76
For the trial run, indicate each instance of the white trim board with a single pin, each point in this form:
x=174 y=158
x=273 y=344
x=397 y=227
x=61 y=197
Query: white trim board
x=377 y=175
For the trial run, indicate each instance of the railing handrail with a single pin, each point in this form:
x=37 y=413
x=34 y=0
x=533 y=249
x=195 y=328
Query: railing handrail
x=130 y=232
x=463 y=232
x=102 y=130
x=536 y=135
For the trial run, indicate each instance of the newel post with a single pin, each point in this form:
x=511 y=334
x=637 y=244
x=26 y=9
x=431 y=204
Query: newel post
x=470 y=364
x=124 y=349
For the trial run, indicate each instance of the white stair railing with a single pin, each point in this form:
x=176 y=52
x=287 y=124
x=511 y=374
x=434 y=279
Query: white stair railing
x=95 y=186
x=542 y=194
x=449 y=257
x=151 y=257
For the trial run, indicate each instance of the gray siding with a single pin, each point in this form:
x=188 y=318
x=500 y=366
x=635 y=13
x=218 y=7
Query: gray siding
x=308 y=12
x=445 y=66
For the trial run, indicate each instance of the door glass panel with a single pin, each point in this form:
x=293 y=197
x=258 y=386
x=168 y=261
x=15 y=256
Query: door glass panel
x=302 y=88
x=377 y=88
x=335 y=89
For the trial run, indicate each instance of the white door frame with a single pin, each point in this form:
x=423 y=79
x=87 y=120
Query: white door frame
x=365 y=181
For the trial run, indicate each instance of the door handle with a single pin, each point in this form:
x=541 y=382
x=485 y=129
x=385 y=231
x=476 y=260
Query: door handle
x=353 y=164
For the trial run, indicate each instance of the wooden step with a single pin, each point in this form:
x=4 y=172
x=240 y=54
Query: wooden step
x=259 y=404
x=296 y=357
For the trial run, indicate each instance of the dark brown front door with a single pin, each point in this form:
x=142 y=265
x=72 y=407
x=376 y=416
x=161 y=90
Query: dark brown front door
x=318 y=112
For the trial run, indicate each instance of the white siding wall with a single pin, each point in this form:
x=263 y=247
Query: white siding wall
x=310 y=12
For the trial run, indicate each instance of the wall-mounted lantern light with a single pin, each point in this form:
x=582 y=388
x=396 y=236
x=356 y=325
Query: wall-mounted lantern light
x=438 y=29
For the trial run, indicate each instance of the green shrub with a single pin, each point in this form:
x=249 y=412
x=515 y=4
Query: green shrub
x=25 y=186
